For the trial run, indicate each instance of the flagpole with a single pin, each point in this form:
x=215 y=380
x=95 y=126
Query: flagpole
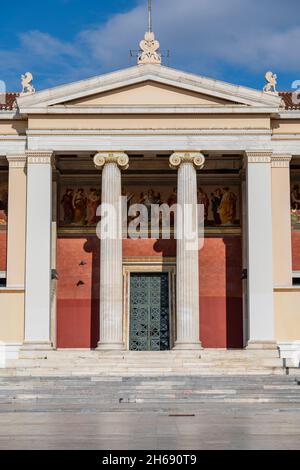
x=150 y=16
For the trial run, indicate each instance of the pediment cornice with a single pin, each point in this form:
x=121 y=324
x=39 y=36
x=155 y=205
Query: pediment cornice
x=61 y=95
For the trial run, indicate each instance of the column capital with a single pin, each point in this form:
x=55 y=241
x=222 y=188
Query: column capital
x=39 y=157
x=281 y=160
x=196 y=158
x=16 y=161
x=259 y=156
x=120 y=158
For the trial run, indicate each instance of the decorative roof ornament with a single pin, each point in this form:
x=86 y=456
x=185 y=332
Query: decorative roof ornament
x=27 y=87
x=149 y=45
x=270 y=87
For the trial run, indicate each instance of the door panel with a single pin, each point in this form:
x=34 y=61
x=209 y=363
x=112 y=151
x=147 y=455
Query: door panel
x=149 y=312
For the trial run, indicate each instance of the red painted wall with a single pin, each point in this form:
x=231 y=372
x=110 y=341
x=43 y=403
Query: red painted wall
x=221 y=319
x=3 y=237
x=149 y=247
x=220 y=288
x=296 y=250
x=78 y=262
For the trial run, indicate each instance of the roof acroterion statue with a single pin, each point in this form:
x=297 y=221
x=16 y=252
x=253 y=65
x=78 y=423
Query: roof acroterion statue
x=149 y=45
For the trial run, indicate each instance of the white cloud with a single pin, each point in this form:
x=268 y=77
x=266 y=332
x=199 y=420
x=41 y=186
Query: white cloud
x=255 y=34
x=203 y=35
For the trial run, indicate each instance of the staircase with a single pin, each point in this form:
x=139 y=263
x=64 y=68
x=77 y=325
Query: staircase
x=179 y=395
x=209 y=362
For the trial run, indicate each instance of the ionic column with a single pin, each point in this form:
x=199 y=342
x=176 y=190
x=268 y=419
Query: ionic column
x=282 y=227
x=260 y=250
x=16 y=221
x=187 y=260
x=111 y=276
x=38 y=250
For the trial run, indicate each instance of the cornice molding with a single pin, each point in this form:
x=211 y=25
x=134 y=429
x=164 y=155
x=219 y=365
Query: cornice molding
x=259 y=156
x=40 y=157
x=281 y=160
x=196 y=158
x=167 y=132
x=119 y=158
x=134 y=75
x=16 y=161
x=196 y=110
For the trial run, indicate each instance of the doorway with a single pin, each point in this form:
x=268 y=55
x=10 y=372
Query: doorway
x=149 y=324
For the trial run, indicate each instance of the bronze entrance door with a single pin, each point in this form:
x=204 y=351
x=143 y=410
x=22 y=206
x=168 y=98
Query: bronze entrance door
x=149 y=326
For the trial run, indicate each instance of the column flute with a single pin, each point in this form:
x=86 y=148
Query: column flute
x=187 y=262
x=111 y=277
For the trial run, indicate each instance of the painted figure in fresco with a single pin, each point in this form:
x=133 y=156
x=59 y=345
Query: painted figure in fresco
x=79 y=206
x=295 y=196
x=67 y=204
x=3 y=206
x=92 y=203
x=149 y=198
x=129 y=195
x=216 y=199
x=228 y=207
x=295 y=214
x=295 y=204
x=203 y=199
x=172 y=199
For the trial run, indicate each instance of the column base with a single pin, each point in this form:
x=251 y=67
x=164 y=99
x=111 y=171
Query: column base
x=259 y=345
x=36 y=346
x=187 y=346
x=110 y=346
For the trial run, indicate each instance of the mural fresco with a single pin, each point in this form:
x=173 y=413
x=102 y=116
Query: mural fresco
x=78 y=204
x=295 y=205
x=3 y=202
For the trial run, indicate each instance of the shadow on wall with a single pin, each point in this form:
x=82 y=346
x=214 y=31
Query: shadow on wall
x=221 y=307
x=92 y=246
x=78 y=266
x=3 y=242
x=234 y=293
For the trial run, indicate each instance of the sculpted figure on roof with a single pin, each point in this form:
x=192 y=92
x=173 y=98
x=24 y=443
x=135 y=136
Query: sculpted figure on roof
x=149 y=46
x=270 y=87
x=27 y=87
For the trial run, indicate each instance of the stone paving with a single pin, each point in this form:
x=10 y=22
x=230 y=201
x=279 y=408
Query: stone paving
x=150 y=413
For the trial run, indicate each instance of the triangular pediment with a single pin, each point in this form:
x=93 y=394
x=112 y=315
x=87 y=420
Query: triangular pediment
x=147 y=85
x=148 y=93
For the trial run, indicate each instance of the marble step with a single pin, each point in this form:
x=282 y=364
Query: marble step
x=129 y=372
x=144 y=365
x=116 y=355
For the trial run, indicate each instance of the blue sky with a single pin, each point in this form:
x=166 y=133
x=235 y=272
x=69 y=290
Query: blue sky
x=237 y=41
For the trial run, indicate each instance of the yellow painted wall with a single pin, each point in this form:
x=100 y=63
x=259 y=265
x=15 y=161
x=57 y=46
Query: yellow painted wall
x=286 y=126
x=18 y=127
x=148 y=93
x=181 y=121
x=287 y=314
x=13 y=127
x=11 y=316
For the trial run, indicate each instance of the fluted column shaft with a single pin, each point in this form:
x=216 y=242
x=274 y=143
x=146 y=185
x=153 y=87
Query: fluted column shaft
x=187 y=263
x=38 y=250
x=260 y=250
x=111 y=278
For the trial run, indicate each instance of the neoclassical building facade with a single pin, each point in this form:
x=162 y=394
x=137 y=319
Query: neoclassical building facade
x=157 y=136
